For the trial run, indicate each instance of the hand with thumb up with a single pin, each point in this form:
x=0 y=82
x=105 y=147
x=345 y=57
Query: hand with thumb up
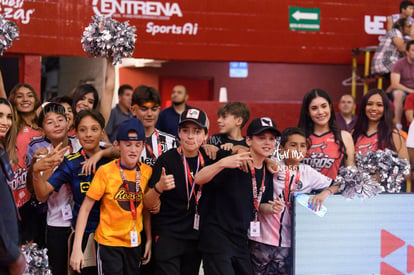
x=166 y=182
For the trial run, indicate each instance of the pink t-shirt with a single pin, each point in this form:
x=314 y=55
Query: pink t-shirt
x=275 y=229
x=406 y=72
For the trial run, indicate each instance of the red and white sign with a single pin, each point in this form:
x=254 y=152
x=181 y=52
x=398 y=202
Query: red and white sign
x=206 y=29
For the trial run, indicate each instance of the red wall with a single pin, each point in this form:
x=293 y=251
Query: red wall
x=136 y=78
x=266 y=82
x=284 y=114
x=226 y=30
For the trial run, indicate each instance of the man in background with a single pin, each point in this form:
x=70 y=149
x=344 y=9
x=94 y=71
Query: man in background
x=345 y=118
x=120 y=112
x=402 y=81
x=169 y=117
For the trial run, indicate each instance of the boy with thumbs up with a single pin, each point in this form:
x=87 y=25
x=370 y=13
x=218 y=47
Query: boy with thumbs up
x=175 y=227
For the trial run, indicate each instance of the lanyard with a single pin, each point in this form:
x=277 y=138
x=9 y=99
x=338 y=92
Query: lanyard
x=159 y=147
x=257 y=197
x=190 y=185
x=70 y=146
x=132 y=198
x=84 y=154
x=287 y=186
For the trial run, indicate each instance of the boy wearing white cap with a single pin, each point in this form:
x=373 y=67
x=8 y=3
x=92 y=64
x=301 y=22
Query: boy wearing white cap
x=175 y=227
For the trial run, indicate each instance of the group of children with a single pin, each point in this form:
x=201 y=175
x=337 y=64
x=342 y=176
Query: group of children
x=226 y=201
x=203 y=208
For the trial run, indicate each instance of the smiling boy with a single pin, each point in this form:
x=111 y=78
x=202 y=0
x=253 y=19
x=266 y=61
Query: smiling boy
x=232 y=203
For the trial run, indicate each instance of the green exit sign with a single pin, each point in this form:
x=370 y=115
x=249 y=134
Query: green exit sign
x=304 y=19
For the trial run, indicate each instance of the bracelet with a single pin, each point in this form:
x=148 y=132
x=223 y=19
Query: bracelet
x=330 y=191
x=156 y=190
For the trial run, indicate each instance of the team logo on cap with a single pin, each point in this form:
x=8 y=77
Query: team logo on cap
x=193 y=113
x=266 y=122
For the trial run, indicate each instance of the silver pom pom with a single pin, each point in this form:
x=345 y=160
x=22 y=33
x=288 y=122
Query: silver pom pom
x=107 y=37
x=8 y=33
x=390 y=168
x=36 y=260
x=354 y=182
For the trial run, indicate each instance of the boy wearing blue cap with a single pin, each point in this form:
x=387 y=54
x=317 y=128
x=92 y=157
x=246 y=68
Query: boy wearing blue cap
x=120 y=186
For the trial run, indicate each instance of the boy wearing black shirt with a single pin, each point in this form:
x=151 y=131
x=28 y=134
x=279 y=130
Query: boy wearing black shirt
x=232 y=202
x=175 y=227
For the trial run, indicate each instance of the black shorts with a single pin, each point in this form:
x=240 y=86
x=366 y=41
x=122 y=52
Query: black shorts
x=57 y=248
x=116 y=260
x=172 y=256
x=221 y=264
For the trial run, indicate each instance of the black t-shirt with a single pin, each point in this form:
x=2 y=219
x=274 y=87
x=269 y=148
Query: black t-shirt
x=229 y=210
x=174 y=219
x=220 y=139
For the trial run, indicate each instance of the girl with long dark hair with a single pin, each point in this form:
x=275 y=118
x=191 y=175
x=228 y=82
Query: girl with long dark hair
x=330 y=147
x=374 y=128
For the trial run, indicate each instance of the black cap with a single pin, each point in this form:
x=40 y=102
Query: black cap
x=261 y=124
x=195 y=115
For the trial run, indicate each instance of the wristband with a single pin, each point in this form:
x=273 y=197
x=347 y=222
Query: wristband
x=156 y=190
x=330 y=191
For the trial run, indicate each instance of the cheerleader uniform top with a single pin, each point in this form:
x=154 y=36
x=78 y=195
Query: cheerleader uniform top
x=323 y=154
x=366 y=143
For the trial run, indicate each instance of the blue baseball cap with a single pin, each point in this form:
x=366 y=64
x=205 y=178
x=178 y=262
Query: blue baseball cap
x=131 y=125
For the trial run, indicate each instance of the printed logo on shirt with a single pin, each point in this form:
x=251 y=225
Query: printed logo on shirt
x=365 y=147
x=84 y=186
x=319 y=163
x=148 y=161
x=18 y=186
x=19 y=180
x=299 y=186
x=123 y=197
x=318 y=159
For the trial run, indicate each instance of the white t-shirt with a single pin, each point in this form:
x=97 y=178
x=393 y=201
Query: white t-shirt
x=275 y=229
x=57 y=201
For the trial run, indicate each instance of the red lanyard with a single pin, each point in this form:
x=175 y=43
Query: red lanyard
x=159 y=147
x=257 y=197
x=189 y=179
x=70 y=146
x=125 y=182
x=287 y=186
x=84 y=154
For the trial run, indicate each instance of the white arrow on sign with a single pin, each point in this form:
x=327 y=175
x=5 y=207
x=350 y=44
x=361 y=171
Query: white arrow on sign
x=305 y=15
